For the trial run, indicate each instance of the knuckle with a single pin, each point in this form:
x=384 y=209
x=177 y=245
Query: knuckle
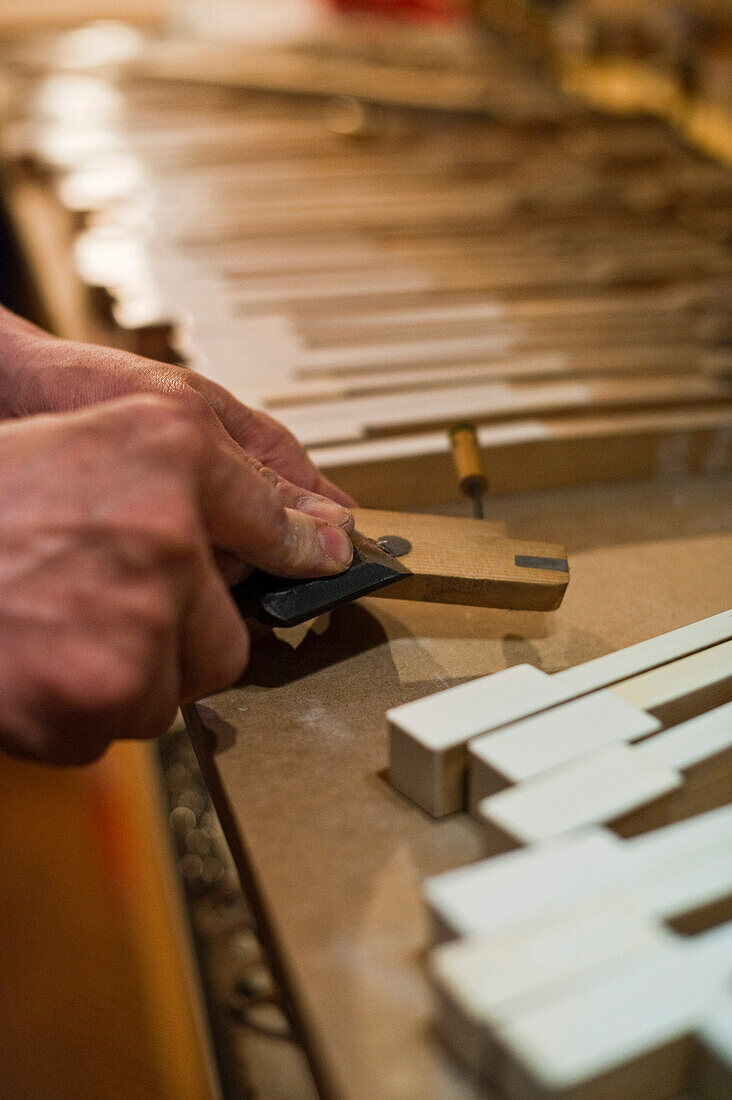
x=100 y=685
x=149 y=541
x=174 y=535
x=270 y=476
x=146 y=408
x=173 y=425
x=110 y=671
x=152 y=620
x=215 y=672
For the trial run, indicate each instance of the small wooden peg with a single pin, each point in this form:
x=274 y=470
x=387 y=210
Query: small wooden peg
x=468 y=463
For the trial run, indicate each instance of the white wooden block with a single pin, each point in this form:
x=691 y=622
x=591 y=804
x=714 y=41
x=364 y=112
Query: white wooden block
x=587 y=791
x=415 y=351
x=428 y=736
x=614 y=781
x=525 y=749
x=684 y=867
x=702 y=750
x=496 y=975
x=632 y=660
x=683 y=688
x=482 y=980
x=681 y=841
x=474 y=976
x=692 y=742
x=529 y=749
x=478 y=972
x=657 y=868
x=685 y=886
x=499 y=893
x=624 y=1026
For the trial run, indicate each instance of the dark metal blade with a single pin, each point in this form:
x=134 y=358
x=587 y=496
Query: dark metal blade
x=281 y=602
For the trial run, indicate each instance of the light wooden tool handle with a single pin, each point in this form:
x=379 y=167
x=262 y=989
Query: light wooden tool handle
x=467 y=458
x=462 y=561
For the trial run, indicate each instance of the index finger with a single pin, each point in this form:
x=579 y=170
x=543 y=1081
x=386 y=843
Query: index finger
x=245 y=516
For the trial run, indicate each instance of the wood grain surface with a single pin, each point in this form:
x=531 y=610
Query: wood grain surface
x=465 y=561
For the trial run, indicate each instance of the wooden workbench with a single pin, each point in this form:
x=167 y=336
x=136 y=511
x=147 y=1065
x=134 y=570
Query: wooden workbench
x=332 y=856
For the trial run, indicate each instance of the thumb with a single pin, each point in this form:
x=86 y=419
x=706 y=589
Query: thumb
x=244 y=516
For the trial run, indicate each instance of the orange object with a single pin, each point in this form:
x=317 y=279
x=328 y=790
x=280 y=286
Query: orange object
x=443 y=10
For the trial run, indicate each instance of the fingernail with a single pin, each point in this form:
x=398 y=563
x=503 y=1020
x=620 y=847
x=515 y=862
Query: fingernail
x=336 y=544
x=327 y=510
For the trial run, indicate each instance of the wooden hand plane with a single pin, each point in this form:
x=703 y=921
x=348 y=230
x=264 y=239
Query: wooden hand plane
x=404 y=556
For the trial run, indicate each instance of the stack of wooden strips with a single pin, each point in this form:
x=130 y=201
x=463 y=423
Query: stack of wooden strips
x=372 y=275
x=594 y=957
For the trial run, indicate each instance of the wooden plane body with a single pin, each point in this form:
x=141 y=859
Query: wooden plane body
x=464 y=561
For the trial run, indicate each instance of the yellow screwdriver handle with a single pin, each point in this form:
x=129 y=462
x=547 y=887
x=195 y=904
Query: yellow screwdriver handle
x=467 y=459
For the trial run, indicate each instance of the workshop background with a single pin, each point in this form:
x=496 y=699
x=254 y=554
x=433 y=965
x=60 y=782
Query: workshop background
x=129 y=963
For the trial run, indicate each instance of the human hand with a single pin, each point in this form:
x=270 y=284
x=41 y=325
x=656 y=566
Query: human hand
x=41 y=374
x=112 y=608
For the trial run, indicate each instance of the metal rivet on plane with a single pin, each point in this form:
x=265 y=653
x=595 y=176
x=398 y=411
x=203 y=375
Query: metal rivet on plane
x=394 y=545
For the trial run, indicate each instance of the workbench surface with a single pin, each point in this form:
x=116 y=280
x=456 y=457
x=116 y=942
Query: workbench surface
x=333 y=856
